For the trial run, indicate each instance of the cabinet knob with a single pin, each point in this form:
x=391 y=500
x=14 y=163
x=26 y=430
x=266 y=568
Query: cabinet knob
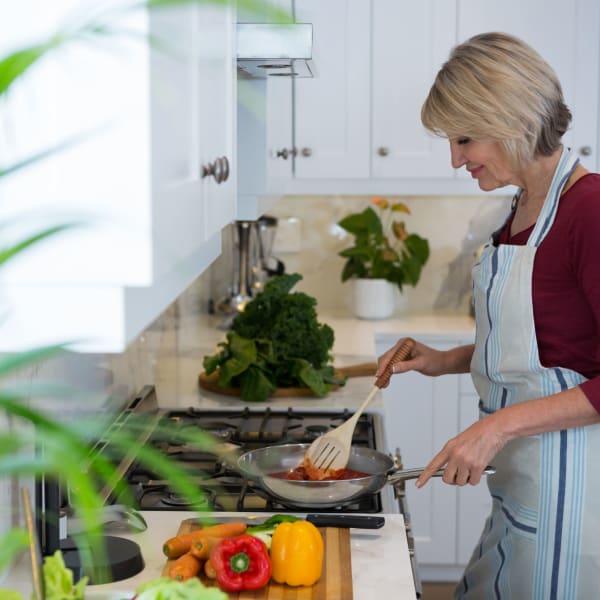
x=219 y=169
x=306 y=152
x=383 y=151
x=285 y=153
x=585 y=150
x=225 y=169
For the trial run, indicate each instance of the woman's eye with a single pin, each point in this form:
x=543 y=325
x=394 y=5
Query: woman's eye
x=462 y=141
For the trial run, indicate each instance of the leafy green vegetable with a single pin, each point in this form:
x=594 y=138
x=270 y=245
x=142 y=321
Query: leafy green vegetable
x=266 y=530
x=58 y=580
x=276 y=342
x=165 y=588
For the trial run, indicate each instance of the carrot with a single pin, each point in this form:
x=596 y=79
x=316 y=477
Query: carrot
x=180 y=544
x=184 y=568
x=223 y=530
x=201 y=547
x=209 y=570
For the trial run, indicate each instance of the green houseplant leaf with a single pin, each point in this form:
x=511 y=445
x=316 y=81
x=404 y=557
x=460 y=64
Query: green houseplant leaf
x=382 y=248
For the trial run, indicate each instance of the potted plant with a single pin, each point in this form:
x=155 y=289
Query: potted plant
x=384 y=257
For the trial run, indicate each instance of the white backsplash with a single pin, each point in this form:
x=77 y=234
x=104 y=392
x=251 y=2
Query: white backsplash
x=454 y=227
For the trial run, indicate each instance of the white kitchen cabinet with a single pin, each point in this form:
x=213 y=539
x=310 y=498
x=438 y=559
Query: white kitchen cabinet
x=331 y=111
x=379 y=138
x=409 y=47
x=151 y=179
x=421 y=415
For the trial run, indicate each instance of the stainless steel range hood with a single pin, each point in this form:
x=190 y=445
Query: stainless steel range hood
x=274 y=50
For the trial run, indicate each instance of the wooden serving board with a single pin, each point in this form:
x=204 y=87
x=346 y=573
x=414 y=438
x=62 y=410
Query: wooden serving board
x=335 y=582
x=209 y=382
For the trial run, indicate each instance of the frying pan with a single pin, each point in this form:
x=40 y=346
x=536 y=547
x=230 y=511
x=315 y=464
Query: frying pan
x=256 y=465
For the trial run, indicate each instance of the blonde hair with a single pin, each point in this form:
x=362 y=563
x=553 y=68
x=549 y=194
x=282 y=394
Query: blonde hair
x=495 y=87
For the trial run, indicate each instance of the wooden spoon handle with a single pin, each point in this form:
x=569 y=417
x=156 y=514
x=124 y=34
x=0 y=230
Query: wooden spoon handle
x=402 y=353
x=360 y=370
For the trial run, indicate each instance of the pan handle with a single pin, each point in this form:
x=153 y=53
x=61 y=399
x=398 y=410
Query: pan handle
x=405 y=474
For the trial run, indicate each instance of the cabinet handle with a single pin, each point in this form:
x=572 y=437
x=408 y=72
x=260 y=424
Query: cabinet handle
x=306 y=152
x=285 y=153
x=383 y=151
x=585 y=150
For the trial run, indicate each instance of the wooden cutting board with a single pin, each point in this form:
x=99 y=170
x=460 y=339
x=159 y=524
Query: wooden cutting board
x=335 y=582
x=209 y=382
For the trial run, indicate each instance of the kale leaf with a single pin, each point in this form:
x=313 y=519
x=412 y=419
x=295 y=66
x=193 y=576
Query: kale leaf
x=276 y=342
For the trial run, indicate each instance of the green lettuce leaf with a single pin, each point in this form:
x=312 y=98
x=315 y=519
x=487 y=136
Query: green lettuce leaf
x=165 y=588
x=58 y=580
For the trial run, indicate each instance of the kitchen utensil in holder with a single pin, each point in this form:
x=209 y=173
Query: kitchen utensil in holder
x=252 y=265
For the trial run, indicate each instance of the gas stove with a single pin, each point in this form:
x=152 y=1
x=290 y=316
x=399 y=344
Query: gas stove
x=245 y=429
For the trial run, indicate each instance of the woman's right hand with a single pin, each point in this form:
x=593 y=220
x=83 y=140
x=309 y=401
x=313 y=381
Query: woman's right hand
x=423 y=359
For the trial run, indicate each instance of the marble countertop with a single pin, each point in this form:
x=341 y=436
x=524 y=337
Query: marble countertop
x=380 y=560
x=184 y=347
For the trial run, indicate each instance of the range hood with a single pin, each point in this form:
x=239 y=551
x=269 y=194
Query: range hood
x=274 y=50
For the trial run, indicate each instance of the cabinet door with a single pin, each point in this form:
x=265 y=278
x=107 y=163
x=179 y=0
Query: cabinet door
x=421 y=415
x=192 y=129
x=567 y=38
x=410 y=42
x=215 y=40
x=331 y=120
x=93 y=94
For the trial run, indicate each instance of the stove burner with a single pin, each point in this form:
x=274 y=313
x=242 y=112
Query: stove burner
x=173 y=499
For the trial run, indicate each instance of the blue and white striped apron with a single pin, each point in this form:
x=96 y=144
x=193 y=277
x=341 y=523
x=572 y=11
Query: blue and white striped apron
x=542 y=538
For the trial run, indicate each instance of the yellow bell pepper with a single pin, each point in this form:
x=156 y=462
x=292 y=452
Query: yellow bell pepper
x=296 y=553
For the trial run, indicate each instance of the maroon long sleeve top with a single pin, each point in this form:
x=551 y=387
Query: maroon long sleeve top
x=566 y=285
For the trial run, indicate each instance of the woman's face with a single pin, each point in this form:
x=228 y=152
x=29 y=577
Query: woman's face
x=485 y=161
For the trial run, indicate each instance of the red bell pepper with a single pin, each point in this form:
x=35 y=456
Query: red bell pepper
x=241 y=563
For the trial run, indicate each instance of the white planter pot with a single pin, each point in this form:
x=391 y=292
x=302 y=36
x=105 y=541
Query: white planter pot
x=374 y=298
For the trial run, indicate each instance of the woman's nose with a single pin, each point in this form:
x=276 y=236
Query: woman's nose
x=457 y=157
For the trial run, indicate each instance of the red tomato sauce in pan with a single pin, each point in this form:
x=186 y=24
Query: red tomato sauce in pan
x=299 y=474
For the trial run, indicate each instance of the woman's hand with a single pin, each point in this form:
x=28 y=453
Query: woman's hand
x=468 y=454
x=427 y=360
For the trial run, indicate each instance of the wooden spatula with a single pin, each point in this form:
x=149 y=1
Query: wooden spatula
x=331 y=451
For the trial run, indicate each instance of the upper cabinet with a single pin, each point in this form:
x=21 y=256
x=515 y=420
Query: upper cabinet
x=356 y=126
x=147 y=175
x=331 y=111
x=408 y=49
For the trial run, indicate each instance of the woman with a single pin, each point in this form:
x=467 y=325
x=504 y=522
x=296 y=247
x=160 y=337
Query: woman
x=536 y=358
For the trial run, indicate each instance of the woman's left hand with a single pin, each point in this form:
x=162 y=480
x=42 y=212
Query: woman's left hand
x=468 y=454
